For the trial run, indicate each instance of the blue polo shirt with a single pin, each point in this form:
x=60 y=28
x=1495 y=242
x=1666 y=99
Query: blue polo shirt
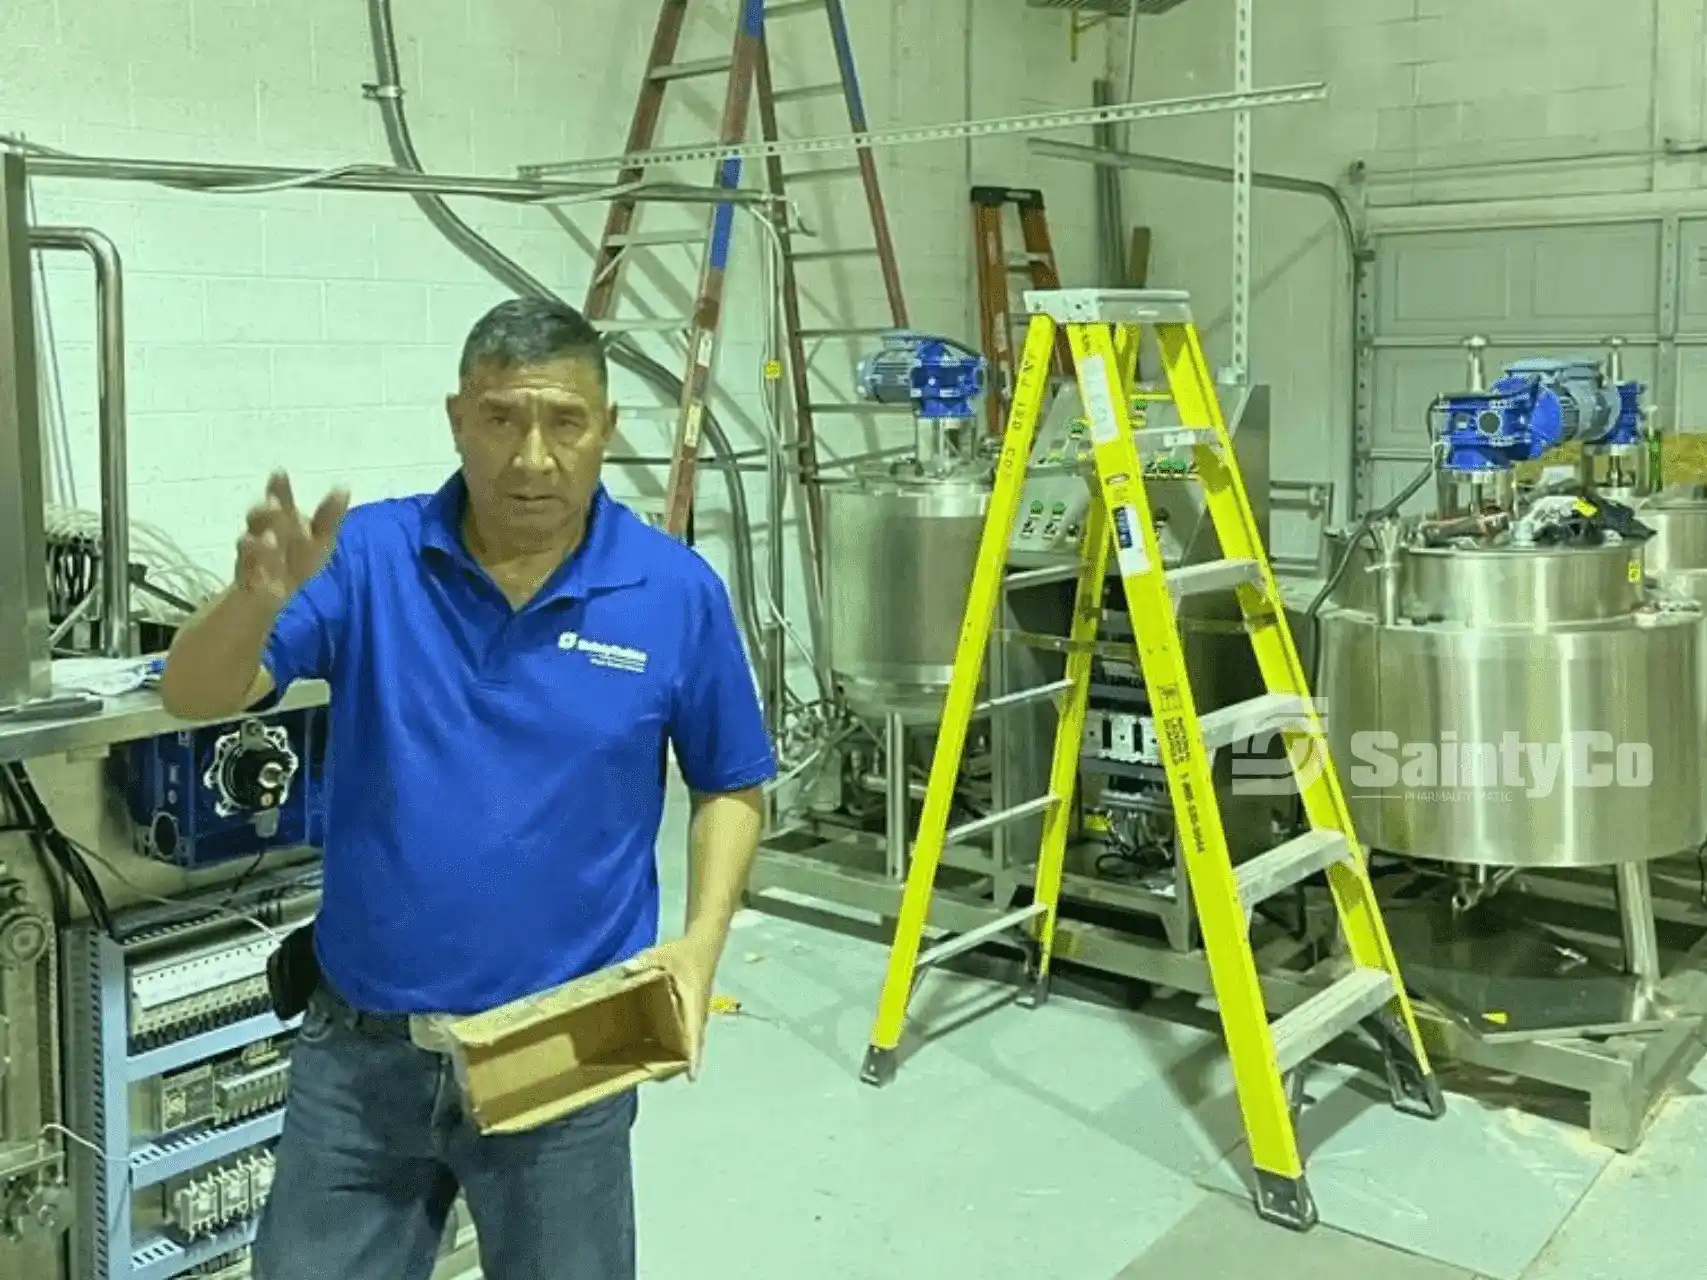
x=496 y=775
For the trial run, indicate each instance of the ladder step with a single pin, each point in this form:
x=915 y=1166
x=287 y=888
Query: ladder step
x=993 y=820
x=821 y=175
x=1023 y=698
x=1148 y=438
x=805 y=92
x=1111 y=306
x=1227 y=725
x=792 y=7
x=1041 y=577
x=961 y=943
x=1211 y=576
x=645 y=239
x=832 y=255
x=690 y=70
x=1289 y=864
x=645 y=324
x=1329 y=1014
x=867 y=332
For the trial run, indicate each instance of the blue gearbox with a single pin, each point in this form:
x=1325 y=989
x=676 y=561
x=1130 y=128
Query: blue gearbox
x=1535 y=406
x=938 y=376
x=204 y=796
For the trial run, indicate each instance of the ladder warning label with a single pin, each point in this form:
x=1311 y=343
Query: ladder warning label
x=1129 y=543
x=1099 y=404
x=1178 y=741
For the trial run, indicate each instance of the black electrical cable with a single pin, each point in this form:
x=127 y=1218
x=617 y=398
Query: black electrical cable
x=54 y=846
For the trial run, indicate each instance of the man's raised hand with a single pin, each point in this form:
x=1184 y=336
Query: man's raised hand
x=279 y=550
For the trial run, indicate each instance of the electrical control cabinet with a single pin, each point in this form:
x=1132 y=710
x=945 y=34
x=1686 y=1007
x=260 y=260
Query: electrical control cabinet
x=178 y=1074
x=204 y=796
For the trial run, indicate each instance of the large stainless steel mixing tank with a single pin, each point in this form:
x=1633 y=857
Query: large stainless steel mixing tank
x=1515 y=706
x=900 y=550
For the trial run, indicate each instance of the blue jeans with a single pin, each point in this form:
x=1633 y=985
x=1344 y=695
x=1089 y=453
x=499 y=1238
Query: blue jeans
x=376 y=1145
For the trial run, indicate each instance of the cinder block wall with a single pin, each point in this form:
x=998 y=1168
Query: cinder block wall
x=318 y=331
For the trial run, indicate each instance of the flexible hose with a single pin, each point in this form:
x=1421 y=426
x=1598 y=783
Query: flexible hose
x=622 y=351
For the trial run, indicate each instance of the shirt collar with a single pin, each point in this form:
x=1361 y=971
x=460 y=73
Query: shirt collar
x=604 y=561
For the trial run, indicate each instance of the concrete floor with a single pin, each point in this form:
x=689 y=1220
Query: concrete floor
x=1085 y=1142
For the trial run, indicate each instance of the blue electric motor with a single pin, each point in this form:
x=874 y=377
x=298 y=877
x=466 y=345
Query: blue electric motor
x=941 y=378
x=201 y=797
x=1535 y=406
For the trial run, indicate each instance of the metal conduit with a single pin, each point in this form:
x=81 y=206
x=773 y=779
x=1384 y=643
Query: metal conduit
x=115 y=467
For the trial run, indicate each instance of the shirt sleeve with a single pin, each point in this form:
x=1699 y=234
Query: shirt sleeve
x=309 y=631
x=718 y=724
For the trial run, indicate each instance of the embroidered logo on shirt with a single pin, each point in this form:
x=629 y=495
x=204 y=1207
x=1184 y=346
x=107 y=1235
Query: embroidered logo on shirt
x=615 y=656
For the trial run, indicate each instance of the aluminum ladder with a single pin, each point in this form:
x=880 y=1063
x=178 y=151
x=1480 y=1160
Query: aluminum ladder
x=748 y=68
x=1104 y=328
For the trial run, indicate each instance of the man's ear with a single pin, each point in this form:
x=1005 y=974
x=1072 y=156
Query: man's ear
x=450 y=413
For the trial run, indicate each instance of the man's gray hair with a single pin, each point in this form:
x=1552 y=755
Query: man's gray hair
x=526 y=331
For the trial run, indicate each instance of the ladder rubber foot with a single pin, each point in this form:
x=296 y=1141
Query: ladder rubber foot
x=1285 y=1201
x=1038 y=993
x=879 y=1067
x=1415 y=1092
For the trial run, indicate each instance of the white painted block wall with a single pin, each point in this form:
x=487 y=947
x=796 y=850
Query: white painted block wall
x=1443 y=100
x=318 y=331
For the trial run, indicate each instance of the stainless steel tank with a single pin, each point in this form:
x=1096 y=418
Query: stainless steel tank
x=900 y=551
x=1518 y=707
x=1676 y=555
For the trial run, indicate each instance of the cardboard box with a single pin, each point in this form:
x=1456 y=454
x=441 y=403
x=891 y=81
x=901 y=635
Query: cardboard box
x=539 y=1059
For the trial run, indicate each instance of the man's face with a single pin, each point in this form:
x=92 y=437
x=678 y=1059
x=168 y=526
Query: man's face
x=531 y=438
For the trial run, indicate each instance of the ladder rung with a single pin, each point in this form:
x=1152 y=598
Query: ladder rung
x=861 y=408
x=646 y=239
x=1172 y=437
x=990 y=821
x=831 y=255
x=689 y=70
x=868 y=332
x=1325 y=1016
x=961 y=943
x=1025 y=261
x=821 y=175
x=1023 y=698
x=645 y=324
x=1289 y=864
x=1227 y=725
x=1041 y=577
x=1211 y=576
x=791 y=7
x=804 y=92
x=1111 y=306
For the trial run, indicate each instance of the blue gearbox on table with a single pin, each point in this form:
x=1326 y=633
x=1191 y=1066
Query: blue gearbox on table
x=1535 y=406
x=200 y=797
x=940 y=378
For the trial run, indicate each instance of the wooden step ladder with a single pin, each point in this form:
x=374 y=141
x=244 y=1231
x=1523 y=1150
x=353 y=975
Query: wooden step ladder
x=996 y=271
x=1104 y=329
x=748 y=68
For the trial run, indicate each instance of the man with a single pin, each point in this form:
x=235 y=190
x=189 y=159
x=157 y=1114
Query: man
x=508 y=658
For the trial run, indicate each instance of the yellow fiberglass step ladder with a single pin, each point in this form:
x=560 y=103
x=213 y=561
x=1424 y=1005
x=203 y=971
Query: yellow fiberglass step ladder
x=1104 y=329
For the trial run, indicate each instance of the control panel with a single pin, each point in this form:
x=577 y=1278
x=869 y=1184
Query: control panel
x=1057 y=495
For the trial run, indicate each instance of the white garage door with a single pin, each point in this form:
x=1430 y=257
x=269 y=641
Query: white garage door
x=1558 y=290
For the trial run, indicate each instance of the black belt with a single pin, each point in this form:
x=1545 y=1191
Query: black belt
x=380 y=1025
